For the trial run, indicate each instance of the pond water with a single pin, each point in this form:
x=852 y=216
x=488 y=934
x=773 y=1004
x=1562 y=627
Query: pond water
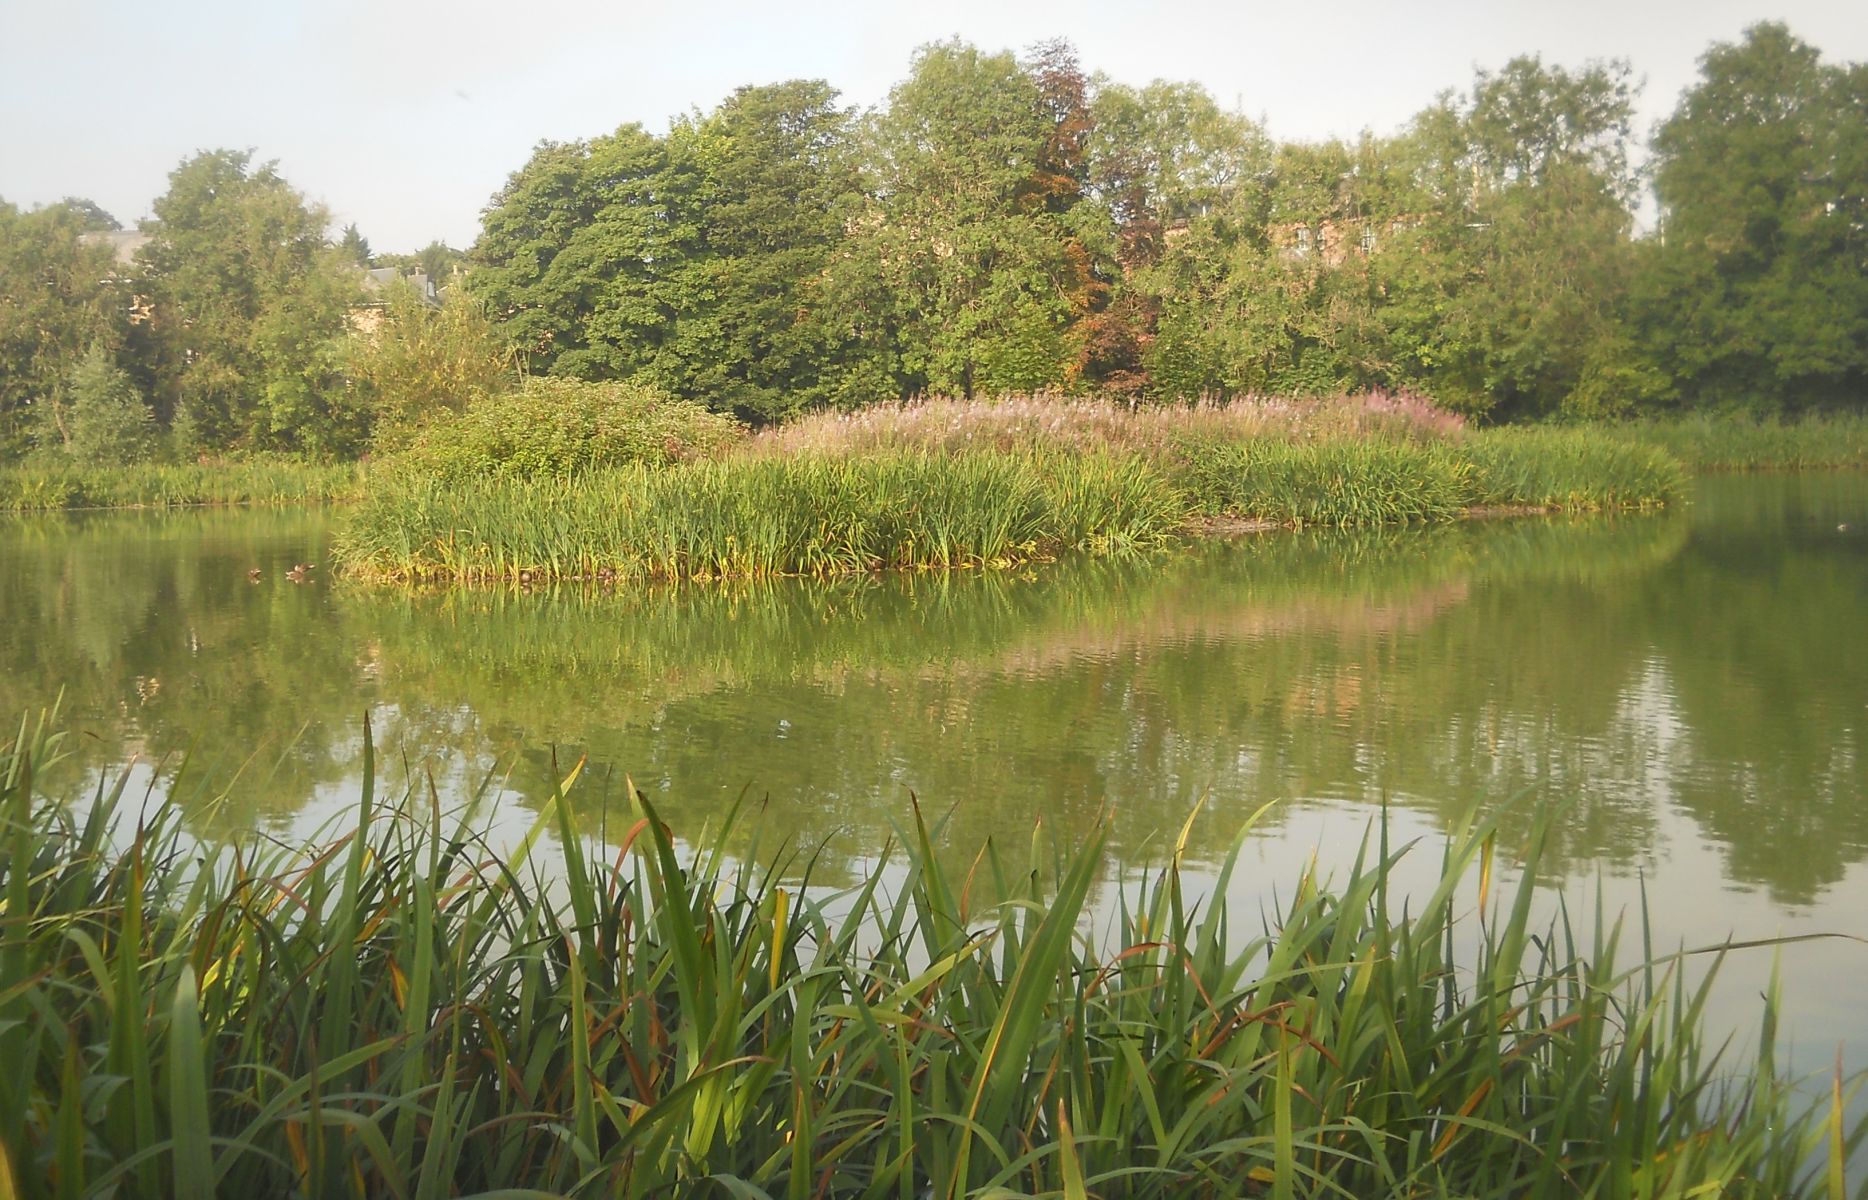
x=1690 y=689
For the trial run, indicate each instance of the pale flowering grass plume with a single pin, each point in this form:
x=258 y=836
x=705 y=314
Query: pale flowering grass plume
x=1050 y=422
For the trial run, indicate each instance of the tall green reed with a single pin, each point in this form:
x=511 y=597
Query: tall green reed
x=752 y=518
x=1734 y=443
x=1332 y=482
x=821 y=515
x=1569 y=470
x=403 y=1008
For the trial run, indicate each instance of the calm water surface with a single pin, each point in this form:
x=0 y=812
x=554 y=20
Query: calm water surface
x=1691 y=688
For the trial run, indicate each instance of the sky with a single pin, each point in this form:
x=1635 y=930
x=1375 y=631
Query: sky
x=404 y=116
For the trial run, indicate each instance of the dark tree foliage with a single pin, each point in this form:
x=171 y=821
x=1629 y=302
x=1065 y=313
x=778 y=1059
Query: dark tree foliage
x=1757 y=297
x=696 y=260
x=91 y=215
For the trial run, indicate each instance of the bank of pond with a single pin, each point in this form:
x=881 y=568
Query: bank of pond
x=615 y=483
x=409 y=1006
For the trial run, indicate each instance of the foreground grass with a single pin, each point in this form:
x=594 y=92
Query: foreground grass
x=38 y=487
x=401 y=1011
x=822 y=513
x=1738 y=444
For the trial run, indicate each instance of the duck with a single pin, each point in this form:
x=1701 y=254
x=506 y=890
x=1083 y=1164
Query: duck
x=253 y=575
x=299 y=570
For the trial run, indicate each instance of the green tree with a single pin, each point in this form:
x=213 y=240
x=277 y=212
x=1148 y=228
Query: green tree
x=1270 y=288
x=1162 y=160
x=768 y=179
x=573 y=251
x=105 y=421
x=1758 y=297
x=250 y=309
x=422 y=359
x=1166 y=153
x=437 y=260
x=960 y=242
x=59 y=294
x=695 y=261
x=354 y=247
x=1506 y=290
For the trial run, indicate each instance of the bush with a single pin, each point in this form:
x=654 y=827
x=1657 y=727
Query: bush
x=106 y=422
x=559 y=427
x=419 y=360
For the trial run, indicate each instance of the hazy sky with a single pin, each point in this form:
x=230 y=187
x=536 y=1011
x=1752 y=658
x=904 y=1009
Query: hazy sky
x=405 y=115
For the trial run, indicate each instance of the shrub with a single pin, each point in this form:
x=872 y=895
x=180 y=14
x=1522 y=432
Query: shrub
x=558 y=427
x=420 y=360
x=105 y=421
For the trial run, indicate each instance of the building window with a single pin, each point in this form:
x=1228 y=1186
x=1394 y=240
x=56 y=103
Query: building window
x=1303 y=241
x=1368 y=239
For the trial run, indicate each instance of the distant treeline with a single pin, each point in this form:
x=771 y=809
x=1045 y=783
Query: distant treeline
x=1010 y=224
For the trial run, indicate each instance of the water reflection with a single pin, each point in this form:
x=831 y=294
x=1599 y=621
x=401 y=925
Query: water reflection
x=1706 y=666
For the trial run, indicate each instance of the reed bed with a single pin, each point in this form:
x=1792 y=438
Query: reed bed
x=810 y=516
x=41 y=487
x=1336 y=482
x=1569 y=470
x=1706 y=443
x=1046 y=423
x=1027 y=491
x=399 y=1009
x=945 y=483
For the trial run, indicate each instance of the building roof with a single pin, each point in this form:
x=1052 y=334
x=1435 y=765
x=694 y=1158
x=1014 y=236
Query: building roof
x=123 y=243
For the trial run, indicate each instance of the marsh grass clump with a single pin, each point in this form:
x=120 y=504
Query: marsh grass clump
x=1734 y=443
x=518 y=489
x=401 y=1008
x=1336 y=482
x=47 y=484
x=964 y=484
x=751 y=518
x=1569 y=470
x=1047 y=423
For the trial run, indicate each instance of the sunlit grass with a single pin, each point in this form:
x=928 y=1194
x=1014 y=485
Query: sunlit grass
x=1035 y=423
x=820 y=514
x=400 y=1009
x=47 y=486
x=1709 y=443
x=809 y=516
x=1569 y=470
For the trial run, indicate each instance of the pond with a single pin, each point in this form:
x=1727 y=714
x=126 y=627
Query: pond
x=1689 y=690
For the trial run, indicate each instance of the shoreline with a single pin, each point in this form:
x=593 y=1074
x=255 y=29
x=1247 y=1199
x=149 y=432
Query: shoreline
x=1194 y=530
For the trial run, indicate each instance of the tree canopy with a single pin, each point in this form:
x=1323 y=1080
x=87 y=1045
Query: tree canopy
x=1008 y=223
